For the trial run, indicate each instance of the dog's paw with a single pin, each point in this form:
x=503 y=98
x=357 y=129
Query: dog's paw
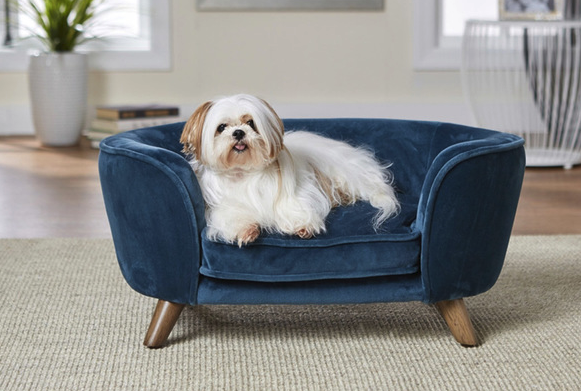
x=248 y=235
x=304 y=233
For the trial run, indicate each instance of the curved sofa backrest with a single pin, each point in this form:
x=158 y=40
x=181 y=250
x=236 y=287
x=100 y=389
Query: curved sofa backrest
x=165 y=137
x=410 y=146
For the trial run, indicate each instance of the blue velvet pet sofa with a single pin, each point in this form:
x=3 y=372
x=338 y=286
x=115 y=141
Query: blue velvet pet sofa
x=458 y=187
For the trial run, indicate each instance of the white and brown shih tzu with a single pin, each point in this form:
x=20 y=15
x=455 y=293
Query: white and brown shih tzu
x=254 y=177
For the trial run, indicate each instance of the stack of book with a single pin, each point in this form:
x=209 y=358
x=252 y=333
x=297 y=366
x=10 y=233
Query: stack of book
x=116 y=119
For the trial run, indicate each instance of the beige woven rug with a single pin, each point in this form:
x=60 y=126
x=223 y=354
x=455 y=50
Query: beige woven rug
x=68 y=321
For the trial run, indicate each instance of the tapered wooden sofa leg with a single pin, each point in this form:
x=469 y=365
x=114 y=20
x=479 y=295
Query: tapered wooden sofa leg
x=164 y=319
x=456 y=316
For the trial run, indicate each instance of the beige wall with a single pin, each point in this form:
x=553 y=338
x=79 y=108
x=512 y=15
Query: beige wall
x=305 y=58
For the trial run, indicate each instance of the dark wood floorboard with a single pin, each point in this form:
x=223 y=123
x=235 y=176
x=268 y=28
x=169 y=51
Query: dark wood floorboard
x=55 y=192
x=550 y=202
x=49 y=192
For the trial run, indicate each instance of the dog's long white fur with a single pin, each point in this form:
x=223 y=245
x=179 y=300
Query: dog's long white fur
x=353 y=171
x=292 y=191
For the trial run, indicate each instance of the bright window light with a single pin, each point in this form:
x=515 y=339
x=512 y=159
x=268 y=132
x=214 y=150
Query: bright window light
x=456 y=12
x=114 y=20
x=133 y=35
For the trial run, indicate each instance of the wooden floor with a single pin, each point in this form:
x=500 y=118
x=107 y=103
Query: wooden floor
x=55 y=192
x=49 y=192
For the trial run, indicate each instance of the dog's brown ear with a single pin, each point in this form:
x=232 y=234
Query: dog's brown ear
x=276 y=143
x=192 y=134
x=279 y=121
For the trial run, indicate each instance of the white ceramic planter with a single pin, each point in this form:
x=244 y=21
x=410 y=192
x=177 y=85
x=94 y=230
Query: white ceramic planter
x=58 y=93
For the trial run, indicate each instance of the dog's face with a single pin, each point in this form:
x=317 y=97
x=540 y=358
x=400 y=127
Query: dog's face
x=240 y=132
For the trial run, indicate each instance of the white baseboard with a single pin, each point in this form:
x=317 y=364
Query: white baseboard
x=16 y=120
x=444 y=112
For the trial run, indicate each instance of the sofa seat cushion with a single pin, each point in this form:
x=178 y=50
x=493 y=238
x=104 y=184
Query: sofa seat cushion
x=349 y=249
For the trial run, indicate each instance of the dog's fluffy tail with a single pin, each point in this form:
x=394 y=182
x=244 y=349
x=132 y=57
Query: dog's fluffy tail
x=386 y=202
x=351 y=173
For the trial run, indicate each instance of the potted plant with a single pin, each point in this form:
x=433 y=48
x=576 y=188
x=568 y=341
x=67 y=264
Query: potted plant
x=58 y=76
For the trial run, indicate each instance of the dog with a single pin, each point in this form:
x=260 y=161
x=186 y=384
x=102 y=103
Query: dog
x=255 y=178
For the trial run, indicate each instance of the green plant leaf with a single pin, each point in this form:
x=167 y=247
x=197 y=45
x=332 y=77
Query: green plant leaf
x=63 y=23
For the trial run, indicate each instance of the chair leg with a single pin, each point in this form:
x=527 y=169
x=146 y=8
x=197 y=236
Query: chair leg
x=456 y=316
x=164 y=319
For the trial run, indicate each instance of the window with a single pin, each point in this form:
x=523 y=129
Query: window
x=137 y=32
x=438 y=29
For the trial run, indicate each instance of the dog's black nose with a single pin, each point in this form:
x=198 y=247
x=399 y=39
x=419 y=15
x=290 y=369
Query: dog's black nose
x=238 y=134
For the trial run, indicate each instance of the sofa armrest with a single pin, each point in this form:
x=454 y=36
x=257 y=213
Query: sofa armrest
x=156 y=213
x=466 y=212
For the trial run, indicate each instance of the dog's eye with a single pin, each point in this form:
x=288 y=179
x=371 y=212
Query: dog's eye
x=221 y=128
x=251 y=124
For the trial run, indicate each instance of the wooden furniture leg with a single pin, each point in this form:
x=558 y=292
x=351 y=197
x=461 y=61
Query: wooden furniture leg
x=164 y=319
x=456 y=316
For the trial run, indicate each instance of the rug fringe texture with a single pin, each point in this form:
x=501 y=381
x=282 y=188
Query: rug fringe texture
x=68 y=321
